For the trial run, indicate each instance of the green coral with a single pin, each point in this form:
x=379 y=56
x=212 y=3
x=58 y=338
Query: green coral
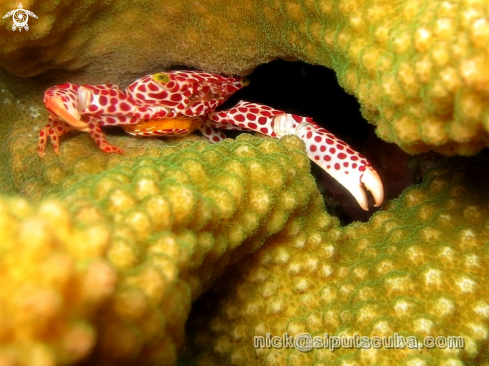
x=419 y=268
x=419 y=69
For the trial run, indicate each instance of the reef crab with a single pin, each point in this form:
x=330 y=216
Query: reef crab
x=178 y=102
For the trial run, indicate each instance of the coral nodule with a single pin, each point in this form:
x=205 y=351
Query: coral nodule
x=105 y=268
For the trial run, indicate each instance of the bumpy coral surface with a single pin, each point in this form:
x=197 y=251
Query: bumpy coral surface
x=419 y=269
x=420 y=69
x=104 y=262
x=102 y=267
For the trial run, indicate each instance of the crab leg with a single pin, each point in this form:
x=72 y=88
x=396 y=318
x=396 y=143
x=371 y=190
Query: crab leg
x=212 y=133
x=333 y=155
x=54 y=130
x=94 y=130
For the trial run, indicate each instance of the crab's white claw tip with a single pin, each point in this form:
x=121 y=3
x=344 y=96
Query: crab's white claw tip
x=373 y=183
x=359 y=194
x=369 y=180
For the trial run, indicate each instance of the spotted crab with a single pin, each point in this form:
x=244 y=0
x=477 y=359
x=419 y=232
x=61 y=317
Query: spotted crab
x=175 y=103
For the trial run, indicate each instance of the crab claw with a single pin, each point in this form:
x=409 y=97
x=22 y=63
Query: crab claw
x=334 y=156
x=57 y=106
x=370 y=180
x=373 y=183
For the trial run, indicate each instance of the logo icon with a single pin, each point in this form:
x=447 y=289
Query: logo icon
x=20 y=17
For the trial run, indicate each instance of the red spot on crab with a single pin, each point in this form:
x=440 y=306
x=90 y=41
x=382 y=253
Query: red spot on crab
x=176 y=97
x=239 y=118
x=198 y=77
x=262 y=120
x=125 y=107
x=251 y=116
x=103 y=100
x=297 y=118
x=161 y=95
x=231 y=88
x=152 y=87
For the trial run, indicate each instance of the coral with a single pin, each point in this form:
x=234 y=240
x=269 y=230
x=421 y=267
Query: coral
x=105 y=266
x=111 y=250
x=420 y=70
x=419 y=268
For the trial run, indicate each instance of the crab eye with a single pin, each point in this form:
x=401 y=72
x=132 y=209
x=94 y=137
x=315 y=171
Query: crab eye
x=246 y=82
x=161 y=78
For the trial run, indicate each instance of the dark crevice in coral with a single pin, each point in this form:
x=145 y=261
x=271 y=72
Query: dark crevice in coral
x=313 y=91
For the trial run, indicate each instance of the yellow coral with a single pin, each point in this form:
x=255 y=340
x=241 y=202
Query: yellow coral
x=106 y=269
x=417 y=269
x=420 y=70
